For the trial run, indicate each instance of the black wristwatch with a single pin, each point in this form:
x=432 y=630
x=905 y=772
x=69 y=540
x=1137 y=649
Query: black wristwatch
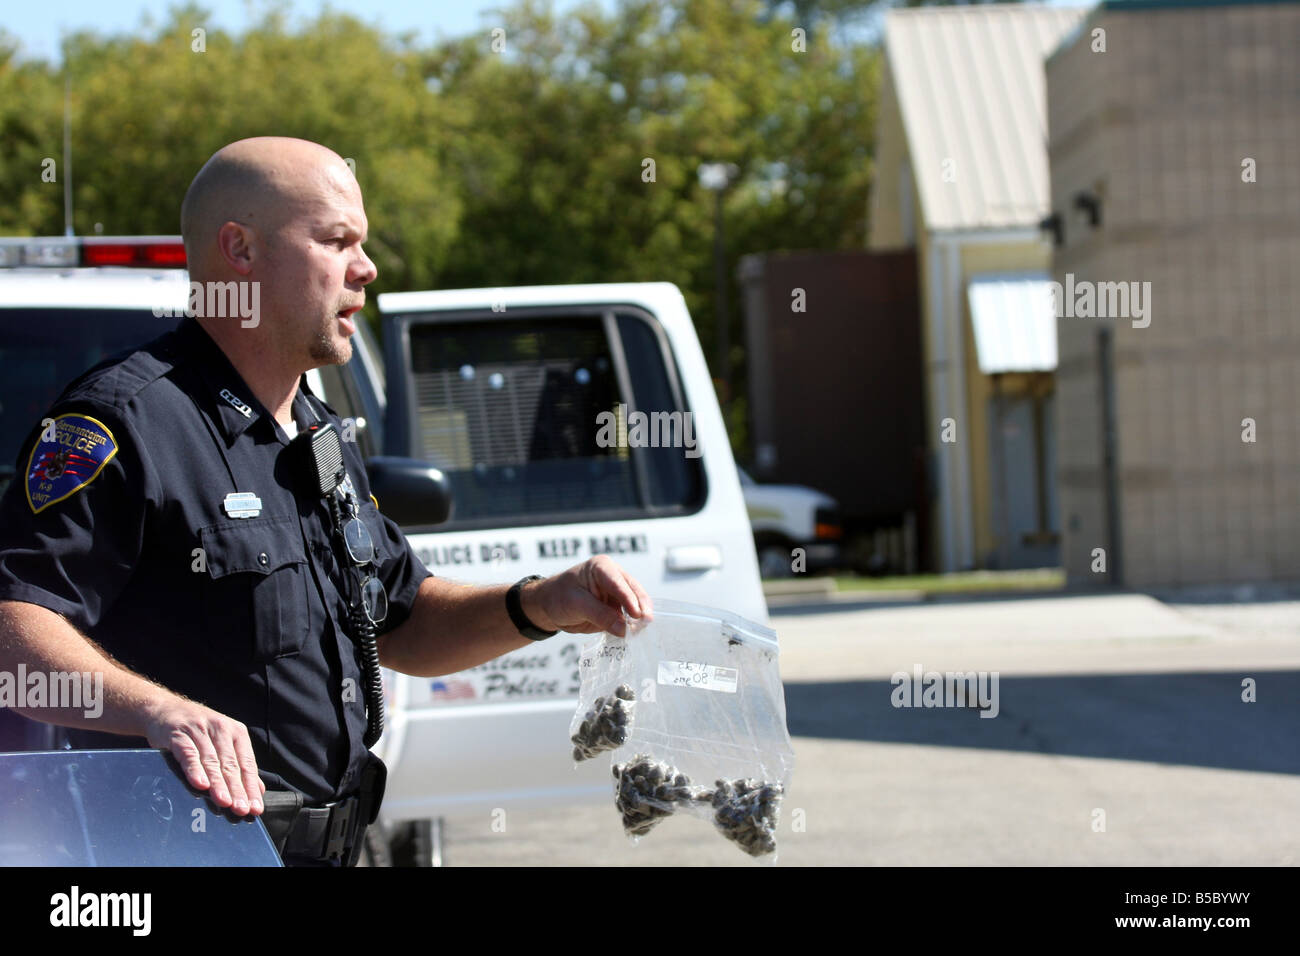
x=515 y=608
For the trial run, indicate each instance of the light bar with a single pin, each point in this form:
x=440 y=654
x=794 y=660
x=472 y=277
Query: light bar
x=61 y=252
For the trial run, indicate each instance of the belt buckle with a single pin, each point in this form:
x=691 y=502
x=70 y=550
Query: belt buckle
x=337 y=842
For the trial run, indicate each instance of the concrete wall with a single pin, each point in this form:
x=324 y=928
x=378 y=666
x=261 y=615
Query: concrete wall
x=1158 y=125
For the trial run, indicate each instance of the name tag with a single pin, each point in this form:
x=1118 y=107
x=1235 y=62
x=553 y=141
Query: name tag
x=242 y=504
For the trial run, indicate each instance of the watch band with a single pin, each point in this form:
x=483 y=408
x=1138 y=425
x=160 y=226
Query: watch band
x=515 y=608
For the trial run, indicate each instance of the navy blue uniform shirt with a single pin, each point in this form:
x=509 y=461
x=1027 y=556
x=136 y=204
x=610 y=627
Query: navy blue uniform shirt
x=117 y=520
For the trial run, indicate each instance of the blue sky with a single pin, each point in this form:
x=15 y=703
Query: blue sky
x=38 y=26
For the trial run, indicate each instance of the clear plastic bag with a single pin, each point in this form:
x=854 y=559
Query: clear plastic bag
x=691 y=709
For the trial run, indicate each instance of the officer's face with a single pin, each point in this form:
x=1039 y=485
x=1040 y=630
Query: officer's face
x=317 y=269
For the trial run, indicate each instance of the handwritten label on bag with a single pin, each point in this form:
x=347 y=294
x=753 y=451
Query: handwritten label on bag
x=703 y=676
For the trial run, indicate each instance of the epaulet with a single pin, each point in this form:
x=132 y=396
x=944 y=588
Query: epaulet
x=114 y=382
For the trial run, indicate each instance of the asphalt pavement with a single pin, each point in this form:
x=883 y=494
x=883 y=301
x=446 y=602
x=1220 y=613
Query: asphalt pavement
x=1121 y=737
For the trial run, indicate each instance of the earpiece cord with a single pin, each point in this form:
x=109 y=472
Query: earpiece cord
x=363 y=632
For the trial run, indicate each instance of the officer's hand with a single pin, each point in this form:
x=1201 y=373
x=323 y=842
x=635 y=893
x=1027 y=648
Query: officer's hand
x=587 y=598
x=213 y=750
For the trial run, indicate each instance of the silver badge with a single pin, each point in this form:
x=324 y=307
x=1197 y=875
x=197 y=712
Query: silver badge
x=242 y=504
x=238 y=404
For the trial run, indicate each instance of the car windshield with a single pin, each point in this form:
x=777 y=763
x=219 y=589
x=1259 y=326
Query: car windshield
x=42 y=350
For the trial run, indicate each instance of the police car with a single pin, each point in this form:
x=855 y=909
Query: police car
x=568 y=421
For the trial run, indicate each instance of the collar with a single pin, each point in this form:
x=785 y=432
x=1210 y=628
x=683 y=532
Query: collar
x=234 y=406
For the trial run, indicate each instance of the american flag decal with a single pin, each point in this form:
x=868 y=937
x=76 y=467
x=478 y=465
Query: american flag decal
x=452 y=688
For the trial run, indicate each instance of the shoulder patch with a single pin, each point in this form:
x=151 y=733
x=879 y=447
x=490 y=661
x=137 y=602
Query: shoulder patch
x=71 y=452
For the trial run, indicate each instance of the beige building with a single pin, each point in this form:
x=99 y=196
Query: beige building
x=962 y=177
x=1175 y=173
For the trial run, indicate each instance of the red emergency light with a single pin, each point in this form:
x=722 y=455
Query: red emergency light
x=119 y=253
x=62 y=252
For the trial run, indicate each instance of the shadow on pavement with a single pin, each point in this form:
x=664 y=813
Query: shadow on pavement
x=1195 y=719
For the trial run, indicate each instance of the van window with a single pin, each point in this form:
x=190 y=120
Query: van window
x=512 y=411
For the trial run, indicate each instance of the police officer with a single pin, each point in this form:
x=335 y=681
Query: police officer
x=160 y=533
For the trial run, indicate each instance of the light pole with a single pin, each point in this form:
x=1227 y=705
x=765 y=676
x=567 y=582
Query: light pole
x=716 y=177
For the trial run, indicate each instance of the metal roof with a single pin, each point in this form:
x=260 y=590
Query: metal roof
x=1014 y=323
x=971 y=89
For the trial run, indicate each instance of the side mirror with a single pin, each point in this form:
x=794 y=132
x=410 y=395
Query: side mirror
x=412 y=492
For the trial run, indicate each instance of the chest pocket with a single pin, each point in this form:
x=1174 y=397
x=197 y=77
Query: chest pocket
x=256 y=603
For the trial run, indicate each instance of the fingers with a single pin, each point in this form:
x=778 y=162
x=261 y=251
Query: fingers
x=187 y=755
x=603 y=593
x=238 y=767
x=253 y=785
x=218 y=790
x=643 y=599
x=216 y=755
x=599 y=614
x=230 y=770
x=622 y=586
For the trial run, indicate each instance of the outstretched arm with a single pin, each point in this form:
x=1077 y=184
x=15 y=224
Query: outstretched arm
x=455 y=626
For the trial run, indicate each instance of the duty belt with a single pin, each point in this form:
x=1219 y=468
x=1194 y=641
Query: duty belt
x=332 y=832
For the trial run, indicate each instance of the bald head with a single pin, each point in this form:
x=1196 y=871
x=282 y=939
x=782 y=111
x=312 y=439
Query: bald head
x=281 y=222
x=260 y=183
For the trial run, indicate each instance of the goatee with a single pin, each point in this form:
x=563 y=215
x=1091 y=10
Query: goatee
x=326 y=350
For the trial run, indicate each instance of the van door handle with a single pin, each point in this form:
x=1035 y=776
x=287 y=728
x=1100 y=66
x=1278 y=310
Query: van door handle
x=693 y=557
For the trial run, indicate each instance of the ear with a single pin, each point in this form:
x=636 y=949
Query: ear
x=235 y=243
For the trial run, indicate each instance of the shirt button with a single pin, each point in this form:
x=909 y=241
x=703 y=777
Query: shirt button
x=263 y=559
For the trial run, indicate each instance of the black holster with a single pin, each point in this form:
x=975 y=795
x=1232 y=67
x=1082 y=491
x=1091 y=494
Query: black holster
x=370 y=793
x=332 y=833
